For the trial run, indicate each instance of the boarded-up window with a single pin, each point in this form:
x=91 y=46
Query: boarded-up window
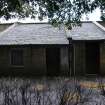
x=17 y=57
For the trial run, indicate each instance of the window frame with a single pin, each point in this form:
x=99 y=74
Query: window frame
x=10 y=57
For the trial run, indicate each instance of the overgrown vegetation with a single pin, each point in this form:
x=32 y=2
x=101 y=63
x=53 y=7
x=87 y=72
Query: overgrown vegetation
x=57 y=91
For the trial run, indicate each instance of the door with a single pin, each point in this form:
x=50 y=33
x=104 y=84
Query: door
x=92 y=58
x=53 y=61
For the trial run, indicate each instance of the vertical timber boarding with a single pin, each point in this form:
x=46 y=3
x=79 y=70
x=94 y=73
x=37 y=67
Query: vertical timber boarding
x=71 y=60
x=79 y=58
x=64 y=64
x=102 y=58
x=38 y=60
x=53 y=61
x=92 y=57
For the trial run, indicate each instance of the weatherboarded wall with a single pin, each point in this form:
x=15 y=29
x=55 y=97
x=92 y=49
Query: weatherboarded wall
x=34 y=61
x=79 y=58
x=102 y=58
x=64 y=62
x=4 y=59
x=38 y=60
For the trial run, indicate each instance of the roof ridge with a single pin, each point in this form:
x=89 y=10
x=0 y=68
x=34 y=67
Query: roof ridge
x=48 y=22
x=39 y=22
x=6 y=30
x=99 y=25
x=33 y=23
x=6 y=23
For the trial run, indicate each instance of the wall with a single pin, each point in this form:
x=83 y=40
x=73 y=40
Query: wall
x=38 y=60
x=34 y=61
x=3 y=58
x=80 y=62
x=102 y=58
x=64 y=61
x=79 y=58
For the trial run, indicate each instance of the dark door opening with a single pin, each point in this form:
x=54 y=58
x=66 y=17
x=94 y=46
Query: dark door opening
x=53 y=61
x=92 y=58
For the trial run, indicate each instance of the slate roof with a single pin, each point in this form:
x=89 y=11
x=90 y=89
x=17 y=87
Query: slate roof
x=23 y=34
x=88 y=31
x=4 y=26
x=43 y=33
x=102 y=23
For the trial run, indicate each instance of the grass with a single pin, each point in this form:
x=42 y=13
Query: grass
x=51 y=91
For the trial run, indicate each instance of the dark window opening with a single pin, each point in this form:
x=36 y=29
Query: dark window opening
x=17 y=57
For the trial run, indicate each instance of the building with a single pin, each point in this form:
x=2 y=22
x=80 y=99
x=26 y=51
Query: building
x=41 y=49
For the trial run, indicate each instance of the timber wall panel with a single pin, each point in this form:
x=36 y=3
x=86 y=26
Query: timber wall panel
x=102 y=58
x=64 y=61
x=79 y=58
x=39 y=60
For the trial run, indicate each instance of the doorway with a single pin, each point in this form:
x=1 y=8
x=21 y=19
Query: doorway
x=53 y=61
x=92 y=58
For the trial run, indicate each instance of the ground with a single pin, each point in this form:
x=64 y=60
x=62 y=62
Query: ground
x=52 y=91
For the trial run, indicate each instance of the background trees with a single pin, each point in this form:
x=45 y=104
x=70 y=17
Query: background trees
x=57 y=11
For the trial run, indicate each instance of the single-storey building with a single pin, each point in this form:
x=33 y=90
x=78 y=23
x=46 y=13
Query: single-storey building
x=41 y=49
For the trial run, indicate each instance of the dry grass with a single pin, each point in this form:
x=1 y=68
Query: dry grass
x=90 y=84
x=48 y=91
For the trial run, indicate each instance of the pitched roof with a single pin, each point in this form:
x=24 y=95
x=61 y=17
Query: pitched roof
x=23 y=34
x=88 y=31
x=102 y=23
x=4 y=26
x=43 y=33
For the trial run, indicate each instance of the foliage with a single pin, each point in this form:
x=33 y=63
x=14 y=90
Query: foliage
x=57 y=11
x=50 y=91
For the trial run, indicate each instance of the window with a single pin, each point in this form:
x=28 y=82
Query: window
x=17 y=57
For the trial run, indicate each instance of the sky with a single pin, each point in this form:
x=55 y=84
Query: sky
x=95 y=16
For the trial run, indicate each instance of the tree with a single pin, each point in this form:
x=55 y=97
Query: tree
x=57 y=11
